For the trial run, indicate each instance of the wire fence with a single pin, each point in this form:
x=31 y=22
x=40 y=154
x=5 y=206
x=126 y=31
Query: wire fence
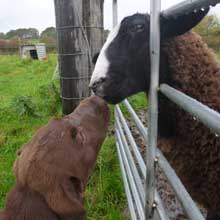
x=143 y=199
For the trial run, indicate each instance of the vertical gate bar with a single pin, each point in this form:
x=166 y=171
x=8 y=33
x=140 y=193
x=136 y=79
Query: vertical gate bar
x=115 y=12
x=153 y=107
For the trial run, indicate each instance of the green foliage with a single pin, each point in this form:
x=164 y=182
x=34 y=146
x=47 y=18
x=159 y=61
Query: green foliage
x=48 y=40
x=24 y=106
x=21 y=82
x=209 y=25
x=50 y=32
x=138 y=101
x=24 y=33
x=2 y=35
x=209 y=29
x=48 y=36
x=105 y=193
x=2 y=139
x=50 y=95
x=217 y=55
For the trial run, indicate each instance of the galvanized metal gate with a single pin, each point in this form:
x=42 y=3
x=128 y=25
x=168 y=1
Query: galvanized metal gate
x=143 y=199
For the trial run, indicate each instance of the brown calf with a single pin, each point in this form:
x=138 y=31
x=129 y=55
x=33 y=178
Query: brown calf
x=53 y=168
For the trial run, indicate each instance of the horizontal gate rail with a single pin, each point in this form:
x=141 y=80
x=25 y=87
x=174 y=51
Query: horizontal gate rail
x=207 y=116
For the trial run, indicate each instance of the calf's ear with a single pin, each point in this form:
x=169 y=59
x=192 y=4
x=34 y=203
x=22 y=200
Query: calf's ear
x=175 y=26
x=95 y=57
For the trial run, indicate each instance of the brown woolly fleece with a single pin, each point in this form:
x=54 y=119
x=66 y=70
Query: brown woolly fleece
x=53 y=168
x=195 y=149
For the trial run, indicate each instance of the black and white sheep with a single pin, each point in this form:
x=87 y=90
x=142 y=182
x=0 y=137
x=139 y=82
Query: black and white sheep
x=123 y=69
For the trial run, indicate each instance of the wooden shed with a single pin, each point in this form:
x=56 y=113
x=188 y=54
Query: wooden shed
x=34 y=51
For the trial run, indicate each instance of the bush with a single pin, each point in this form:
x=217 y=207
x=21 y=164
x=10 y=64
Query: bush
x=50 y=96
x=24 y=105
x=208 y=28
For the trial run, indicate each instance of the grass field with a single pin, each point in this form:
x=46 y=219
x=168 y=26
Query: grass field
x=29 y=98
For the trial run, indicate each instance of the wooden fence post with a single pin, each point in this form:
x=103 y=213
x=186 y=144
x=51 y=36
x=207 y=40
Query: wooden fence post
x=93 y=20
x=73 y=22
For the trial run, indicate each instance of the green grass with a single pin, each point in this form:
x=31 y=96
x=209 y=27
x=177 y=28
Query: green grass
x=27 y=103
x=217 y=55
x=29 y=98
x=105 y=194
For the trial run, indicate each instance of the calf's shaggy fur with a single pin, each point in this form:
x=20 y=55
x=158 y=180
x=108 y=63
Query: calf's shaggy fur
x=53 y=168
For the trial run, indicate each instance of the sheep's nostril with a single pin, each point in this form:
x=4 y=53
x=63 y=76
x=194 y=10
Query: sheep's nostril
x=97 y=84
x=94 y=87
x=102 y=79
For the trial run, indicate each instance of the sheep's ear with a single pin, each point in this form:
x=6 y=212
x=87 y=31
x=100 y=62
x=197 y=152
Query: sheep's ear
x=95 y=57
x=175 y=26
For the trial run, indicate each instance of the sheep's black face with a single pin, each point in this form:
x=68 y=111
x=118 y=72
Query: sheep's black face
x=123 y=65
x=122 y=68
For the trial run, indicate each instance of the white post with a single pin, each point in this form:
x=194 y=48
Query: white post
x=115 y=12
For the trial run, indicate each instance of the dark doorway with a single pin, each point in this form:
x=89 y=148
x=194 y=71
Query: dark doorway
x=33 y=54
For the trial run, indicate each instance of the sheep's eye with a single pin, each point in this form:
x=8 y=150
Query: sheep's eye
x=137 y=28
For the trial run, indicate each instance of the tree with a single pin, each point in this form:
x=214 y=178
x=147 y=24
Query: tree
x=14 y=42
x=48 y=40
x=209 y=29
x=210 y=25
x=23 y=33
x=50 y=32
x=2 y=35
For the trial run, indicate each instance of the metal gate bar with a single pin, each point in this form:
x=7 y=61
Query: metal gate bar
x=179 y=189
x=126 y=185
x=132 y=142
x=132 y=170
x=209 y=117
x=133 y=187
x=139 y=183
x=153 y=107
x=181 y=193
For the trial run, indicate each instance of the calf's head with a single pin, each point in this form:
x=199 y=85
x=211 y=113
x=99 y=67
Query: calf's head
x=57 y=162
x=123 y=65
